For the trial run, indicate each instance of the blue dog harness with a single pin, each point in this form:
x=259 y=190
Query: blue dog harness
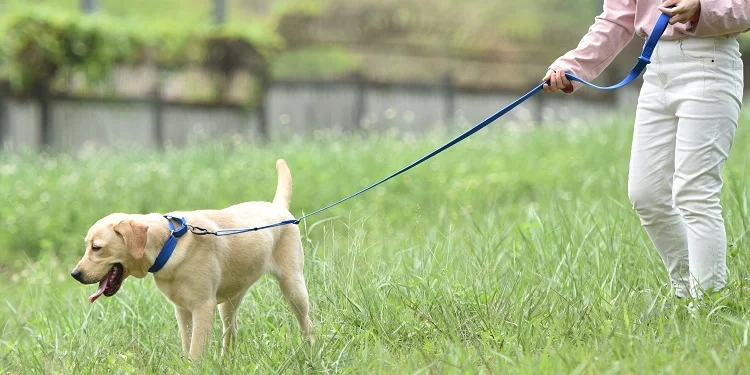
x=168 y=248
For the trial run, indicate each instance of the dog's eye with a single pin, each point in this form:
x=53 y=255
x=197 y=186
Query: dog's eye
x=95 y=248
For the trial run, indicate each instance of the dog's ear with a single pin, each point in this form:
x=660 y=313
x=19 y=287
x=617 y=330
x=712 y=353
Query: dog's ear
x=134 y=234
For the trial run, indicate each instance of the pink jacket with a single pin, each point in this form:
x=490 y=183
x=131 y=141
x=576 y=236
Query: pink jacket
x=621 y=19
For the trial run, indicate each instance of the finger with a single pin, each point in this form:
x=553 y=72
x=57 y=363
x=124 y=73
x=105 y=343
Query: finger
x=553 y=82
x=675 y=16
x=669 y=3
x=550 y=80
x=666 y=11
x=546 y=80
x=665 y=8
x=684 y=18
x=680 y=18
x=558 y=78
x=547 y=75
x=565 y=81
x=671 y=11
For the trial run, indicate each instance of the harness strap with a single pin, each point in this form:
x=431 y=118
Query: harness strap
x=169 y=246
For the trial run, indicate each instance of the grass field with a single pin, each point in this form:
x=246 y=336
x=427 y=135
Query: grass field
x=510 y=253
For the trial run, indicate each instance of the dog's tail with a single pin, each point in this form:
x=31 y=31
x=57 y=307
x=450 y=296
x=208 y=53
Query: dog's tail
x=283 y=195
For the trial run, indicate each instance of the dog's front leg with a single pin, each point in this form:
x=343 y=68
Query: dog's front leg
x=228 y=313
x=203 y=318
x=185 y=323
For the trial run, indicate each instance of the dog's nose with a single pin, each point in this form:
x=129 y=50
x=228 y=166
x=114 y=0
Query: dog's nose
x=77 y=275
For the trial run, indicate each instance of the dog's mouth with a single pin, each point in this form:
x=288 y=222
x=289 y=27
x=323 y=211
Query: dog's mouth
x=110 y=284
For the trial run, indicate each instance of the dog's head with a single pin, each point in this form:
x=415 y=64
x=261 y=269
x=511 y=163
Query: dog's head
x=115 y=249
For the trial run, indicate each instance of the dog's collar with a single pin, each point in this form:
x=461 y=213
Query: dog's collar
x=168 y=248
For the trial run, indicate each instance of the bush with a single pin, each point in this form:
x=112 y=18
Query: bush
x=39 y=46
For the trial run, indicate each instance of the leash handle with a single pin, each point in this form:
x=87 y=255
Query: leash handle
x=643 y=60
x=648 y=49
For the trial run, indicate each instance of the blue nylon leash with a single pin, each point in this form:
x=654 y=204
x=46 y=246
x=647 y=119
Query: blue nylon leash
x=643 y=60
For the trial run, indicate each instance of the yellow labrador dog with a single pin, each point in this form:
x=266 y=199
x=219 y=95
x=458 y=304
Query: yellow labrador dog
x=202 y=271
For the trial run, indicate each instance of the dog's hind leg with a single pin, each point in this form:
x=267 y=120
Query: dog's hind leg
x=228 y=312
x=289 y=261
x=185 y=324
x=294 y=290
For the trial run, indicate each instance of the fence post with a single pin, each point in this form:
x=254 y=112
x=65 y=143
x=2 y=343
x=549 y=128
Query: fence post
x=449 y=97
x=539 y=111
x=3 y=118
x=264 y=80
x=45 y=119
x=360 y=99
x=158 y=112
x=220 y=11
x=89 y=6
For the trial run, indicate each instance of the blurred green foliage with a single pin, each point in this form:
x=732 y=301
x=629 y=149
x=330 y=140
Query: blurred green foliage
x=481 y=42
x=40 y=44
x=314 y=61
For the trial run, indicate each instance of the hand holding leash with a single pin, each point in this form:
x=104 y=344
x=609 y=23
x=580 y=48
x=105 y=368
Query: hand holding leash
x=681 y=11
x=557 y=81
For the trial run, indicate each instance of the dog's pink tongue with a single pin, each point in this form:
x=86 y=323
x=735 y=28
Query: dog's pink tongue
x=100 y=291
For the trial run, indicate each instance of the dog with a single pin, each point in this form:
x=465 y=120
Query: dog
x=203 y=271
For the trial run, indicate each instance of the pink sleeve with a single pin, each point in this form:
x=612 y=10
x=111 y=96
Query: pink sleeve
x=605 y=39
x=721 y=17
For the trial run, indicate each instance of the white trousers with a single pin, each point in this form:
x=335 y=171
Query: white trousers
x=685 y=124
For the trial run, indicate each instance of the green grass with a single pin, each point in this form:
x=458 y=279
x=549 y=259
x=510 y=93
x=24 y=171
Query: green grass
x=510 y=253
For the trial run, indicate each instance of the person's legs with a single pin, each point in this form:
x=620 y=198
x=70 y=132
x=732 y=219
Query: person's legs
x=708 y=102
x=650 y=177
